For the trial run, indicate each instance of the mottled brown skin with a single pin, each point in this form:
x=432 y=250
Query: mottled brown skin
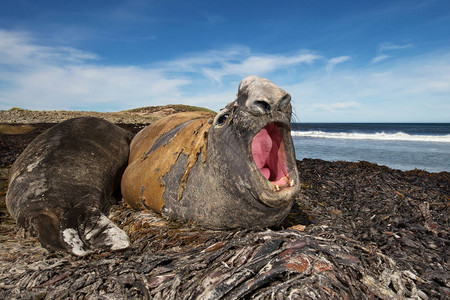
x=142 y=184
x=194 y=168
x=64 y=180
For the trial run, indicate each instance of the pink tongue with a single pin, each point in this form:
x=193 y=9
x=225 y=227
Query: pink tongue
x=261 y=146
x=268 y=153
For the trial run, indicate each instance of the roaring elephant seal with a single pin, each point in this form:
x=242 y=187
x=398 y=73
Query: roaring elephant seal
x=236 y=169
x=64 y=180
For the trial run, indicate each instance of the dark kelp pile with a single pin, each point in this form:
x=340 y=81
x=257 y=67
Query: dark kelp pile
x=358 y=230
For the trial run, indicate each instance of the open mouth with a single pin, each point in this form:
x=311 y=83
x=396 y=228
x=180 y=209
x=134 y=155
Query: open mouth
x=270 y=156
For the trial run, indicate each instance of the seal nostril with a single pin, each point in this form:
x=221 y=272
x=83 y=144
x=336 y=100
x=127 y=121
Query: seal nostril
x=286 y=99
x=262 y=106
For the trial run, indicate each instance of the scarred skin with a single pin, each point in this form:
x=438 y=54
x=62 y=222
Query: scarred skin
x=193 y=167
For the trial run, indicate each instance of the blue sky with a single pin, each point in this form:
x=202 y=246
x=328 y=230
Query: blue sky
x=342 y=61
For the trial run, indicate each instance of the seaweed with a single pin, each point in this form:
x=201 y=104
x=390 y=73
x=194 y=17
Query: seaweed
x=357 y=230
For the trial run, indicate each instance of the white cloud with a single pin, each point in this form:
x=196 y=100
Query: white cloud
x=237 y=60
x=389 y=46
x=42 y=77
x=195 y=61
x=336 y=60
x=36 y=76
x=46 y=77
x=414 y=89
x=380 y=58
x=336 y=106
x=259 y=65
x=82 y=86
x=20 y=50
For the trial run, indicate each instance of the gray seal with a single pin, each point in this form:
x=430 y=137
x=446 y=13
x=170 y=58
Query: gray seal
x=64 y=180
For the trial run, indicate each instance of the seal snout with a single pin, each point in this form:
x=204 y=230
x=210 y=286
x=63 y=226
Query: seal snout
x=262 y=106
x=262 y=96
x=270 y=156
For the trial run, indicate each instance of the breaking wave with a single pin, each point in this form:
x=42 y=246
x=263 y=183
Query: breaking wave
x=382 y=136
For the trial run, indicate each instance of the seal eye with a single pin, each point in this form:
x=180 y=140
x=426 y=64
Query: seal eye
x=222 y=119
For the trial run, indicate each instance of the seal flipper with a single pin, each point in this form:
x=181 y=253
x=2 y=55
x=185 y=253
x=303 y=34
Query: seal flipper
x=93 y=230
x=101 y=233
x=45 y=226
x=55 y=234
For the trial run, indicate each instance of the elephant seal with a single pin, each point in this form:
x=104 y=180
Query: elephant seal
x=233 y=170
x=64 y=180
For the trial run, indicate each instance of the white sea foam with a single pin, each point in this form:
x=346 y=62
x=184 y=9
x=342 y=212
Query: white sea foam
x=398 y=136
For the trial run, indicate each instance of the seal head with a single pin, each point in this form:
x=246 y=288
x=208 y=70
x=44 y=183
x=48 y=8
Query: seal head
x=260 y=122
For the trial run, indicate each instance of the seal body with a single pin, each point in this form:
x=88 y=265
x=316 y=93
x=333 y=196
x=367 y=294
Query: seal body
x=233 y=170
x=64 y=180
x=156 y=151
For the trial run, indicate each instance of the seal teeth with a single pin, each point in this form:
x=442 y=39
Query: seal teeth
x=291 y=183
x=277 y=187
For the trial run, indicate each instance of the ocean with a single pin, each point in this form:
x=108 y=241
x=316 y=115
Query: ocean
x=404 y=146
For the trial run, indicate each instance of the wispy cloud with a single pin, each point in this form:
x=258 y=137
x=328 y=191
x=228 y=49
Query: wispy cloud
x=46 y=77
x=19 y=49
x=238 y=61
x=43 y=77
x=336 y=106
x=193 y=62
x=408 y=89
x=84 y=86
x=258 y=64
x=380 y=58
x=336 y=60
x=389 y=46
x=215 y=19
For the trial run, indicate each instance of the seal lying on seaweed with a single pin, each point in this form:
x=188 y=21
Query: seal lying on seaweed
x=236 y=170
x=64 y=179
x=233 y=170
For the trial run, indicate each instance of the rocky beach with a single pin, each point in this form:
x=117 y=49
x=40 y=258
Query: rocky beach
x=357 y=231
